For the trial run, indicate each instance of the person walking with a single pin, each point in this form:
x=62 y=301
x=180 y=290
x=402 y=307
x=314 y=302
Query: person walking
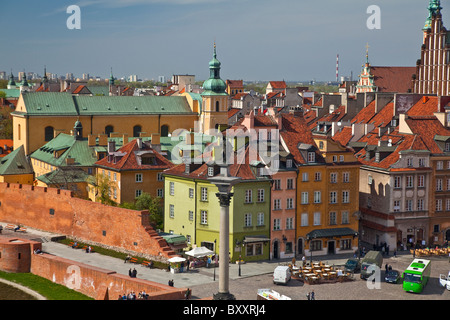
x=313 y=296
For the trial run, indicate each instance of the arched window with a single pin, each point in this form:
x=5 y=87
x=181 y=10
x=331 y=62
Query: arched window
x=108 y=130
x=217 y=106
x=49 y=133
x=164 y=130
x=136 y=131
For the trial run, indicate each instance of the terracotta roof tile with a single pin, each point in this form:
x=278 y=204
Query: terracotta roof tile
x=392 y=79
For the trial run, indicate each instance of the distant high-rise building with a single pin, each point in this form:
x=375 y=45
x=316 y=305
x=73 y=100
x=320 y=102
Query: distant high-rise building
x=161 y=79
x=85 y=76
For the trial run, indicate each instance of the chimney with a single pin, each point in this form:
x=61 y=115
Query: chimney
x=139 y=143
x=156 y=139
x=70 y=161
x=91 y=140
x=124 y=139
x=111 y=146
x=103 y=139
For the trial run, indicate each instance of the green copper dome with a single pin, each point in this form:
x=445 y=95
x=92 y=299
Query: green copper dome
x=214 y=85
x=433 y=8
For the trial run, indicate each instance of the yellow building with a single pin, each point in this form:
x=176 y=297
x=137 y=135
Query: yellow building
x=133 y=169
x=15 y=168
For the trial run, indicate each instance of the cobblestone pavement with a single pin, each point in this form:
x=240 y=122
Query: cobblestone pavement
x=258 y=275
x=246 y=288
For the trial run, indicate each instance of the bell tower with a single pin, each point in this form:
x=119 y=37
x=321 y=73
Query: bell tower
x=214 y=114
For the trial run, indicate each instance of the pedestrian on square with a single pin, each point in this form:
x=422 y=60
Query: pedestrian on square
x=313 y=296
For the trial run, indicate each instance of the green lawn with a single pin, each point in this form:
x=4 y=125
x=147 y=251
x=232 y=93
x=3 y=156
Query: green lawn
x=48 y=289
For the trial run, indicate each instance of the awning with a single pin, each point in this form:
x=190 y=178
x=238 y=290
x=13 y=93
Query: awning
x=253 y=239
x=331 y=233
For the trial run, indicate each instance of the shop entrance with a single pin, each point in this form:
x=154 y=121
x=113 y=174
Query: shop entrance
x=331 y=247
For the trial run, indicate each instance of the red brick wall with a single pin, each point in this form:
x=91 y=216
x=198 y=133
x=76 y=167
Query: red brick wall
x=123 y=229
x=15 y=254
x=98 y=283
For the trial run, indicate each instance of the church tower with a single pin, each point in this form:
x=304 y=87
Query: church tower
x=365 y=82
x=433 y=68
x=214 y=114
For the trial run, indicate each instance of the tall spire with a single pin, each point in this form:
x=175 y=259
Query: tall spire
x=434 y=7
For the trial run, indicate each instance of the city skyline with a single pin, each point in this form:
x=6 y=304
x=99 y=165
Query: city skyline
x=256 y=40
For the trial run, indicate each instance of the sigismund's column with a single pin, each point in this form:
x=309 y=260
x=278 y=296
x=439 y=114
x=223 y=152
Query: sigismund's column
x=224 y=183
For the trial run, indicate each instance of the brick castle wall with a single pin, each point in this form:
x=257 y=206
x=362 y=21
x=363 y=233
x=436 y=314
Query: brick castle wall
x=57 y=211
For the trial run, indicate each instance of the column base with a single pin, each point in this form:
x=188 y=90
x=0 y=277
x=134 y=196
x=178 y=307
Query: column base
x=223 y=296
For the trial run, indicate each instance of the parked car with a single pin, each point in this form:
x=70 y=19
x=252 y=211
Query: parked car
x=352 y=265
x=444 y=280
x=392 y=276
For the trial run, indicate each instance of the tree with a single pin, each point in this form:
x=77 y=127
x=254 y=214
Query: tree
x=102 y=186
x=146 y=202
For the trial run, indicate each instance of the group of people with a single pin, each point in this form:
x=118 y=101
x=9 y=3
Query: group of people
x=132 y=296
x=132 y=273
x=311 y=295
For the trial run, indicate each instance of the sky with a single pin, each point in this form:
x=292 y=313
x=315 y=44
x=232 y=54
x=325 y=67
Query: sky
x=291 y=40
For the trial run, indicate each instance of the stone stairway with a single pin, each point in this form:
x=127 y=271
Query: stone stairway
x=165 y=249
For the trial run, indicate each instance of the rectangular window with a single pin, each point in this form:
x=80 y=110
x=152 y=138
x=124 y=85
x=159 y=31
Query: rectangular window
x=345 y=217
x=397 y=182
x=341 y=158
x=191 y=193
x=138 y=177
x=447 y=204
x=409 y=205
x=191 y=215
x=317 y=196
x=421 y=162
x=248 y=220
x=315 y=245
x=409 y=181
x=260 y=195
x=438 y=204
x=138 y=193
x=304 y=220
x=276 y=204
x=260 y=219
x=203 y=217
x=248 y=196
x=204 y=194
x=346 y=244
x=438 y=184
x=276 y=224
x=409 y=162
x=345 y=196
x=289 y=163
x=277 y=184
x=317 y=218
x=311 y=156
x=305 y=176
x=421 y=181
x=172 y=188
x=396 y=205
x=346 y=177
x=333 y=177
x=290 y=184
x=289 y=223
x=159 y=176
x=210 y=171
x=289 y=203
x=171 y=211
x=304 y=197
x=333 y=197
x=439 y=165
x=317 y=176
x=419 y=204
x=333 y=218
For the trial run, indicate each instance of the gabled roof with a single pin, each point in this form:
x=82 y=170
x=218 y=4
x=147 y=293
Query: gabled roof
x=392 y=79
x=343 y=136
x=130 y=154
x=427 y=128
x=15 y=163
x=70 y=148
x=426 y=106
x=235 y=83
x=278 y=84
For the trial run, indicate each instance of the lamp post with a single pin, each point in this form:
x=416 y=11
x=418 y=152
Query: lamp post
x=224 y=183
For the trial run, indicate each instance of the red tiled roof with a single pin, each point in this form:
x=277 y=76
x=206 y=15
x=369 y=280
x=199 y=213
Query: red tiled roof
x=8 y=143
x=278 y=84
x=78 y=89
x=392 y=79
x=343 y=136
x=130 y=162
x=384 y=116
x=365 y=114
x=232 y=112
x=272 y=95
x=238 y=96
x=235 y=83
x=428 y=105
x=428 y=128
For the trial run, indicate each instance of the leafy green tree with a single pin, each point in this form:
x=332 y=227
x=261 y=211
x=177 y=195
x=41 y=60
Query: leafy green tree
x=103 y=187
x=146 y=202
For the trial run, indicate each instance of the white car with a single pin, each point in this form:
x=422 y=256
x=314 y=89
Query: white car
x=444 y=280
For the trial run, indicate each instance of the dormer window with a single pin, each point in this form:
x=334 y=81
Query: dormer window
x=409 y=162
x=210 y=171
x=289 y=163
x=447 y=147
x=311 y=157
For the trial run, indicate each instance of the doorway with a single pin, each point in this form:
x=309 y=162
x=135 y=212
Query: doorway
x=275 y=249
x=300 y=246
x=331 y=247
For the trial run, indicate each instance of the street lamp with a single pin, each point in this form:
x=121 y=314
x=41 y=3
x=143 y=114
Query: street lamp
x=224 y=183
